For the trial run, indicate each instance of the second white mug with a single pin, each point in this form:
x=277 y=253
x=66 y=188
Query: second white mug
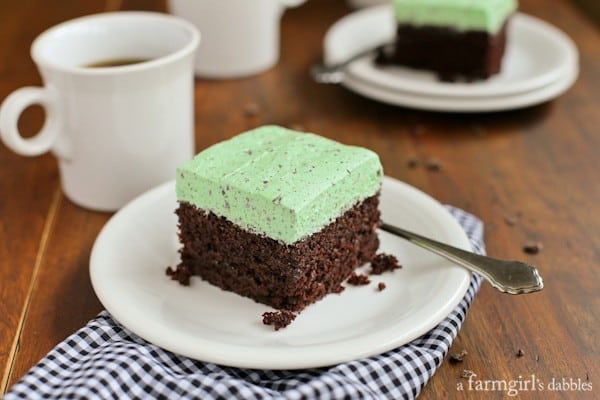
x=239 y=37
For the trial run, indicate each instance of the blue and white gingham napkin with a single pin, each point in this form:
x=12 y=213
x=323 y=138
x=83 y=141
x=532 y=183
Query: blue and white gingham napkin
x=106 y=360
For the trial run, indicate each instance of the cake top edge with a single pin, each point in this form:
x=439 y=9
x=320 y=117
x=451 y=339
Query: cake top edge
x=479 y=15
x=272 y=158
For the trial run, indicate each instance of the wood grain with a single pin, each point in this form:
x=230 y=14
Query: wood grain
x=530 y=174
x=28 y=186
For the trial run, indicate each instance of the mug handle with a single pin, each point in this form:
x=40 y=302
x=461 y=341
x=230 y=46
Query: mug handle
x=291 y=3
x=12 y=108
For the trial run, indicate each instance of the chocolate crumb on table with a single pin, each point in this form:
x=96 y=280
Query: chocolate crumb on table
x=358 y=279
x=251 y=109
x=433 y=164
x=279 y=319
x=412 y=163
x=533 y=247
x=380 y=286
x=458 y=357
x=383 y=263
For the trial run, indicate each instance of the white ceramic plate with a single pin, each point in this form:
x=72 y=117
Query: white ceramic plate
x=203 y=322
x=463 y=104
x=537 y=54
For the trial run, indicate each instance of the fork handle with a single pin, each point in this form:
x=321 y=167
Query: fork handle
x=514 y=277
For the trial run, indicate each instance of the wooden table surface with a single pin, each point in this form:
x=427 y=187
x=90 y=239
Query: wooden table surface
x=531 y=175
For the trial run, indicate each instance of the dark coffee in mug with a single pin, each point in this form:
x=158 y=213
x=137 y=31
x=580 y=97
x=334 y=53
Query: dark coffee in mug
x=118 y=62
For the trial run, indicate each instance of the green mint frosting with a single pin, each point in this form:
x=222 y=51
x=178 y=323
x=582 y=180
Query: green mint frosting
x=484 y=15
x=279 y=183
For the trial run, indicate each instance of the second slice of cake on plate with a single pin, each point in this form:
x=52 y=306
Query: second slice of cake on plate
x=278 y=216
x=456 y=39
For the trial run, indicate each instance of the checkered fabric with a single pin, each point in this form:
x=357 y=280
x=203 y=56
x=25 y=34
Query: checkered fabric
x=106 y=360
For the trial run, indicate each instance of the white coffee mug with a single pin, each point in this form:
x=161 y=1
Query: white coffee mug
x=116 y=130
x=239 y=37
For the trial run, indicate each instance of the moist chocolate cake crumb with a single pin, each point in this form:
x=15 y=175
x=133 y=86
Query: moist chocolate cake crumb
x=458 y=357
x=181 y=274
x=279 y=319
x=380 y=286
x=338 y=289
x=382 y=263
x=532 y=248
x=358 y=279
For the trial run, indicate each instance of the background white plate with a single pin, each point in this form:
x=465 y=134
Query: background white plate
x=464 y=104
x=537 y=54
x=203 y=322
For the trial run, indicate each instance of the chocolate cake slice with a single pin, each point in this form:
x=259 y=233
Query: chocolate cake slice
x=457 y=39
x=278 y=216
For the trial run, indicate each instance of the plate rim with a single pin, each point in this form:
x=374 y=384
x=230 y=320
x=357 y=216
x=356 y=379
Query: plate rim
x=467 y=105
x=480 y=89
x=241 y=355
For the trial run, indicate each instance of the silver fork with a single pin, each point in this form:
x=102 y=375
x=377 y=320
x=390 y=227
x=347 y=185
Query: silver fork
x=514 y=277
x=333 y=74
